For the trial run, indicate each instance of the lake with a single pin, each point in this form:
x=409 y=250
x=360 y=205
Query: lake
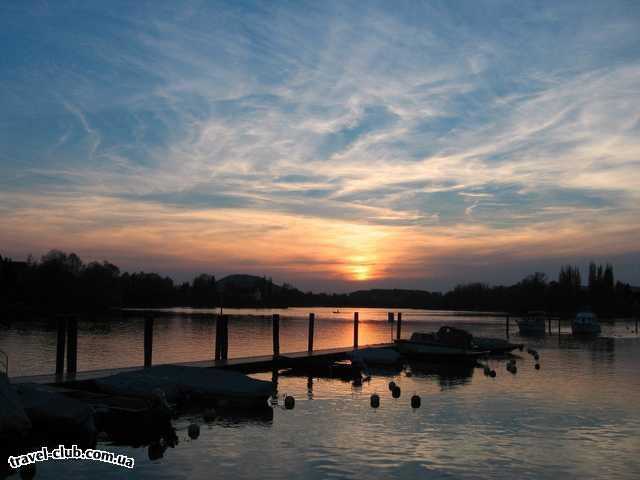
x=575 y=417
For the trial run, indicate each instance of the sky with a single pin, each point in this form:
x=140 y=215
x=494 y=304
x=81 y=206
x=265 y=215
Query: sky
x=333 y=145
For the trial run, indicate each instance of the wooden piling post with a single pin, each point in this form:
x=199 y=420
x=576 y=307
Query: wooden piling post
x=507 y=325
x=276 y=335
x=390 y=317
x=224 y=347
x=312 y=319
x=399 y=326
x=218 y=346
x=148 y=340
x=72 y=344
x=60 y=346
x=355 y=330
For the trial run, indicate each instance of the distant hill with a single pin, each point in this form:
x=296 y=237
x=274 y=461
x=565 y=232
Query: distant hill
x=243 y=282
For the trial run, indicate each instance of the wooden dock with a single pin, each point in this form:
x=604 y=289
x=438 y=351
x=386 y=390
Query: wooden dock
x=256 y=364
x=67 y=342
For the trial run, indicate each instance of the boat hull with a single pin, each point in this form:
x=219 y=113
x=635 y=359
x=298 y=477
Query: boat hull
x=532 y=327
x=424 y=350
x=496 y=346
x=585 y=329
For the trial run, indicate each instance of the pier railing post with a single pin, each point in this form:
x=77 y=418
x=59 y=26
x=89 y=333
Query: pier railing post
x=399 y=326
x=507 y=325
x=312 y=318
x=224 y=348
x=355 y=330
x=148 y=340
x=60 y=346
x=72 y=344
x=276 y=335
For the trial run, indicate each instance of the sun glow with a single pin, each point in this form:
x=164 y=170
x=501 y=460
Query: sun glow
x=361 y=273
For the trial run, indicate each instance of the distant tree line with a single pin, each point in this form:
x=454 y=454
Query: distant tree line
x=61 y=282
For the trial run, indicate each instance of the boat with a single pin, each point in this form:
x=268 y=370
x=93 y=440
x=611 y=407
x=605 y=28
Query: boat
x=532 y=324
x=446 y=343
x=585 y=323
x=496 y=346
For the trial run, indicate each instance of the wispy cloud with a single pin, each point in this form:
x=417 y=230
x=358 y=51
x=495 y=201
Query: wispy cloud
x=424 y=128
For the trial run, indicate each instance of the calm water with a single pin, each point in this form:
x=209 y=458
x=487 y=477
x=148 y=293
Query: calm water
x=576 y=417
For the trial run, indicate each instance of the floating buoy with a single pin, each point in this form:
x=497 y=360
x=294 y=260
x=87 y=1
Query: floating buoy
x=289 y=402
x=194 y=431
x=415 y=401
x=155 y=451
x=395 y=393
x=375 y=400
x=514 y=370
x=492 y=374
x=392 y=385
x=209 y=415
x=537 y=366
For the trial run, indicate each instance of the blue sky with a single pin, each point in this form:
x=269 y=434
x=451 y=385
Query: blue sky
x=334 y=145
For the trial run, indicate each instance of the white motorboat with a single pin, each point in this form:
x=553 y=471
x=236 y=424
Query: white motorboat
x=532 y=324
x=447 y=343
x=585 y=323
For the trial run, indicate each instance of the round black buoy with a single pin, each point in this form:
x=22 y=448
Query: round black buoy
x=492 y=374
x=289 y=402
x=415 y=401
x=392 y=385
x=194 y=431
x=375 y=400
x=514 y=370
x=537 y=367
x=395 y=393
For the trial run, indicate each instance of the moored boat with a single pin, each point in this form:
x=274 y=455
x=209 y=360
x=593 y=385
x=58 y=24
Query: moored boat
x=532 y=324
x=446 y=343
x=585 y=323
